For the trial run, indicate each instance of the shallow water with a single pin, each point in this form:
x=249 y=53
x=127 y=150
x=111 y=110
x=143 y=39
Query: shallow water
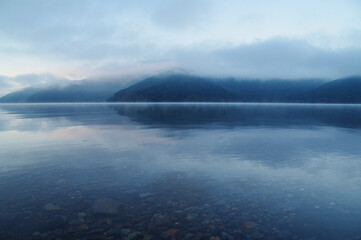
x=177 y=171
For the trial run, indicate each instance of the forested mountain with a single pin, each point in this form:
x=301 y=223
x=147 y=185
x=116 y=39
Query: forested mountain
x=174 y=88
x=186 y=88
x=80 y=91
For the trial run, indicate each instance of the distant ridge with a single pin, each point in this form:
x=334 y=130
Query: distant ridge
x=274 y=90
x=174 y=88
x=344 y=90
x=80 y=91
x=183 y=88
x=186 y=88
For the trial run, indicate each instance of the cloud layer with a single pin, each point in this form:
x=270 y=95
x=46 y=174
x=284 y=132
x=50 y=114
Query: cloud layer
x=274 y=58
x=9 y=84
x=93 y=38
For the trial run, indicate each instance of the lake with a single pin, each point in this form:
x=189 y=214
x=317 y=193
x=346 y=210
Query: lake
x=180 y=171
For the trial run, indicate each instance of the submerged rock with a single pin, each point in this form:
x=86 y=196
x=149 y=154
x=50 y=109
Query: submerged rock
x=214 y=238
x=133 y=235
x=51 y=207
x=97 y=231
x=105 y=206
x=144 y=195
x=257 y=235
x=84 y=227
x=171 y=232
x=160 y=219
x=250 y=224
x=81 y=215
x=126 y=231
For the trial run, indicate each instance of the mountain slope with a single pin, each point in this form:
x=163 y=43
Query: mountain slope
x=344 y=90
x=174 y=88
x=19 y=96
x=84 y=91
x=270 y=90
x=185 y=88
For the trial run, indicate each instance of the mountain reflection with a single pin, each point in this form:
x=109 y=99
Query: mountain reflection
x=190 y=116
x=239 y=115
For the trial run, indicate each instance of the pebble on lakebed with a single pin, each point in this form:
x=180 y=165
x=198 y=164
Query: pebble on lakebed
x=81 y=215
x=171 y=232
x=106 y=206
x=144 y=195
x=51 y=207
x=250 y=224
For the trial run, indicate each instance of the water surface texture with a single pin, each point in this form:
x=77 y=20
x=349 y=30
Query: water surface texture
x=180 y=171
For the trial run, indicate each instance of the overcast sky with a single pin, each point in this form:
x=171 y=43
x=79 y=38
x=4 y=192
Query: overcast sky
x=240 y=38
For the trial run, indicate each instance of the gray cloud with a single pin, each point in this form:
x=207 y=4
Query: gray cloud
x=275 y=58
x=180 y=14
x=9 y=84
x=92 y=38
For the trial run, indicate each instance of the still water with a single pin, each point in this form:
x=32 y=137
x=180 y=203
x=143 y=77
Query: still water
x=180 y=171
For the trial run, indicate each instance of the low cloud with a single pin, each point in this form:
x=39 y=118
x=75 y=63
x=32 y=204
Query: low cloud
x=93 y=39
x=275 y=58
x=181 y=14
x=10 y=84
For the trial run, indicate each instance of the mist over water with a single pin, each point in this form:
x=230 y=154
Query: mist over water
x=180 y=171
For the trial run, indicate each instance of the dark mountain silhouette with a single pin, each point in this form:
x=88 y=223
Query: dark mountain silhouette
x=82 y=91
x=345 y=90
x=185 y=88
x=270 y=90
x=174 y=88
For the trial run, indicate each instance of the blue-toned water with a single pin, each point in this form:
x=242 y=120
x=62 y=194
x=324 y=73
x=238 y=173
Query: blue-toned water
x=178 y=171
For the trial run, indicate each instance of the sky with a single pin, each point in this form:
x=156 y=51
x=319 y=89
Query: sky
x=45 y=41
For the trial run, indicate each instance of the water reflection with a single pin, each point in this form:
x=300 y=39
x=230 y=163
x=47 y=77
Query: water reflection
x=94 y=171
x=233 y=115
x=197 y=115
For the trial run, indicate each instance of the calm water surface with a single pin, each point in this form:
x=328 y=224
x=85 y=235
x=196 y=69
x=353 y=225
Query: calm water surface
x=163 y=171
